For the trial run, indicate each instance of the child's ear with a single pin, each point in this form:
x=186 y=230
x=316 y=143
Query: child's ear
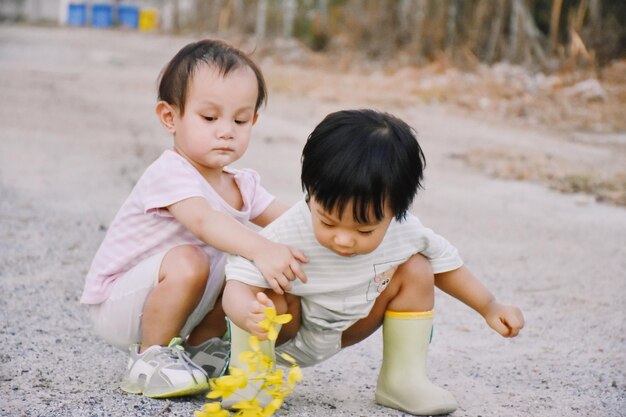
x=255 y=118
x=166 y=114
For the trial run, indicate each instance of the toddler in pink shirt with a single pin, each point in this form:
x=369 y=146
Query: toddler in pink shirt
x=155 y=284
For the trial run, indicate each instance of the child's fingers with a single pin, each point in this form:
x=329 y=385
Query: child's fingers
x=298 y=254
x=515 y=322
x=264 y=300
x=298 y=271
x=288 y=273
x=275 y=285
x=498 y=324
x=282 y=282
x=255 y=329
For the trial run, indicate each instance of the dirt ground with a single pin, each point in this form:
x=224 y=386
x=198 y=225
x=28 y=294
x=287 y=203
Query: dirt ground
x=78 y=129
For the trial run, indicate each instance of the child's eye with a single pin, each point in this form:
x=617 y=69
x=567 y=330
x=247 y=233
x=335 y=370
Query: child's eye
x=366 y=232
x=325 y=224
x=241 y=122
x=210 y=118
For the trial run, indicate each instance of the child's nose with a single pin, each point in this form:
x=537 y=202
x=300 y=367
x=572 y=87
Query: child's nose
x=344 y=240
x=225 y=129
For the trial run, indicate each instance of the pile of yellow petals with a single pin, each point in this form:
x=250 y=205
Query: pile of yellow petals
x=261 y=370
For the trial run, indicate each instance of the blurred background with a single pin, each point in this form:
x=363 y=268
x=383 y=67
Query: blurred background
x=555 y=64
x=549 y=35
x=519 y=105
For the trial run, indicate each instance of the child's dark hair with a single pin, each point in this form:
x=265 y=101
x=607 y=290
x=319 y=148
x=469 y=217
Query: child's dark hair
x=175 y=77
x=366 y=157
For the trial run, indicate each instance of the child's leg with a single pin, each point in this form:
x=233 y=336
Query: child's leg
x=405 y=311
x=182 y=278
x=212 y=325
x=412 y=288
x=285 y=303
x=206 y=345
x=150 y=303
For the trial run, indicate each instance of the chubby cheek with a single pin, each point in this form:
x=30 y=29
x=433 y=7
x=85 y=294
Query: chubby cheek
x=244 y=141
x=323 y=237
x=369 y=244
x=242 y=146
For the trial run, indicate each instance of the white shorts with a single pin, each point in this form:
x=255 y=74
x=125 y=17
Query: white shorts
x=118 y=318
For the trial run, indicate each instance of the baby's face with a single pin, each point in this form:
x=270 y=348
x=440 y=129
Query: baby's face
x=343 y=234
x=219 y=113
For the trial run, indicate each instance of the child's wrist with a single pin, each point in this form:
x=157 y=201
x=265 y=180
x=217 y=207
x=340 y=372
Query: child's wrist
x=488 y=307
x=257 y=248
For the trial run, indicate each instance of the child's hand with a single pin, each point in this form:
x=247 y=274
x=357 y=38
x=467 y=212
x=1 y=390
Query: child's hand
x=280 y=265
x=506 y=320
x=256 y=314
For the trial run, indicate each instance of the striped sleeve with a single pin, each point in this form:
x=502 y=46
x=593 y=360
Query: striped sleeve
x=241 y=269
x=443 y=256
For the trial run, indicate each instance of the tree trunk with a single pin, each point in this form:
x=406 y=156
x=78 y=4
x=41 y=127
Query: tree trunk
x=555 y=18
x=418 y=30
x=514 y=32
x=496 y=30
x=289 y=14
x=480 y=22
x=261 y=20
x=532 y=36
x=453 y=9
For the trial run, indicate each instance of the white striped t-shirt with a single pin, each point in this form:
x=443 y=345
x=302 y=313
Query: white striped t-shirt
x=342 y=290
x=144 y=227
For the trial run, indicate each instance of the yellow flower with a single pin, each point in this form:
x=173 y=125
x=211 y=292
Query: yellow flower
x=271 y=320
x=273 y=379
x=255 y=359
x=295 y=375
x=261 y=374
x=225 y=386
x=288 y=358
x=272 y=407
x=212 y=410
x=248 y=408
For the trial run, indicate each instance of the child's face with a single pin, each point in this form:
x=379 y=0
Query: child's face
x=219 y=113
x=344 y=235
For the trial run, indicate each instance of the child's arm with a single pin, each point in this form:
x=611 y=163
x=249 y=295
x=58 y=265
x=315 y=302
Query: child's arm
x=278 y=263
x=464 y=286
x=245 y=305
x=271 y=213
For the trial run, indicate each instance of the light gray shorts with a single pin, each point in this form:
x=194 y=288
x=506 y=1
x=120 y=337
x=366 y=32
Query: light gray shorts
x=311 y=346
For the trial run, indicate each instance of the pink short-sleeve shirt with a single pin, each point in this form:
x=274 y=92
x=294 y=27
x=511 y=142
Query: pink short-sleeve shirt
x=144 y=227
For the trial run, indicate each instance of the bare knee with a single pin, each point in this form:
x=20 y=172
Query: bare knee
x=284 y=303
x=188 y=265
x=417 y=273
x=413 y=286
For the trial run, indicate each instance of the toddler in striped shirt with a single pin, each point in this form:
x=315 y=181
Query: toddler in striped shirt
x=371 y=263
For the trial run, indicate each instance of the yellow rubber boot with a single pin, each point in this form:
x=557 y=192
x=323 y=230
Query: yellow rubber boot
x=403 y=383
x=239 y=343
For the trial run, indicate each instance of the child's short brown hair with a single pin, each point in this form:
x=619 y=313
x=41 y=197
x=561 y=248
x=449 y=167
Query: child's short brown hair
x=175 y=77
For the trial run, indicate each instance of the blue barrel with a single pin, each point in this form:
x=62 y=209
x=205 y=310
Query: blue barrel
x=101 y=15
x=77 y=14
x=128 y=16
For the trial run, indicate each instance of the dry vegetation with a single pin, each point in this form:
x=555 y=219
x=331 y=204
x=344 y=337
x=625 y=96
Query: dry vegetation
x=556 y=65
x=578 y=105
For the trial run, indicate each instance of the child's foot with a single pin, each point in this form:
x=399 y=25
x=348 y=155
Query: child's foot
x=163 y=371
x=212 y=356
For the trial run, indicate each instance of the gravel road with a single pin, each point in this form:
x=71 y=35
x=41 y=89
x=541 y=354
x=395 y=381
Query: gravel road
x=78 y=129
